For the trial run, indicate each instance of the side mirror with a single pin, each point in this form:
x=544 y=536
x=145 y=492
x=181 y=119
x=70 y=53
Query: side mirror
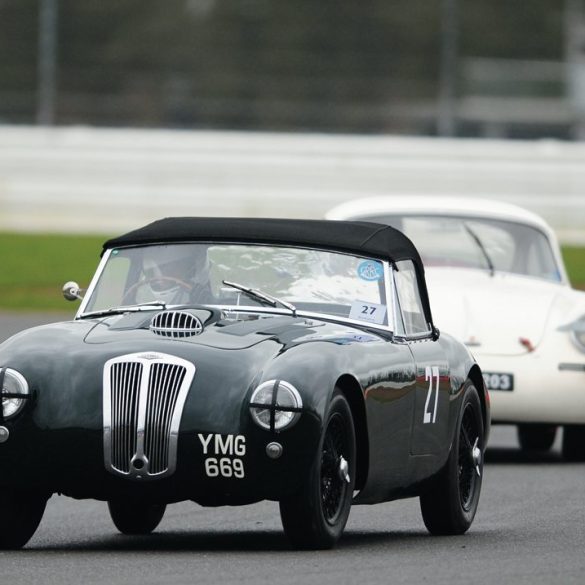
x=71 y=291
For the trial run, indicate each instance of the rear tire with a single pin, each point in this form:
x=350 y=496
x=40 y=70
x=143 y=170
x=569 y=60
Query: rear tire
x=315 y=517
x=536 y=437
x=574 y=442
x=132 y=517
x=20 y=515
x=449 y=502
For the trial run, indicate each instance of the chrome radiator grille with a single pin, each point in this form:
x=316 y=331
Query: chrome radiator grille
x=144 y=395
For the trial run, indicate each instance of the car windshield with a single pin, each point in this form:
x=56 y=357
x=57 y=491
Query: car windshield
x=313 y=281
x=469 y=242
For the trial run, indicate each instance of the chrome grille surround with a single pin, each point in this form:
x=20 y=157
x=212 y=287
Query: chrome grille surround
x=176 y=324
x=143 y=397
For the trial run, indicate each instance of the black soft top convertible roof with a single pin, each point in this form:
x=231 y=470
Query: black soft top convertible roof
x=356 y=237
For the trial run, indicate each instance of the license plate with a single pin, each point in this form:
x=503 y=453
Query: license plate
x=498 y=381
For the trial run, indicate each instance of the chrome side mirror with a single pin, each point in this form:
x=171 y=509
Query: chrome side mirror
x=71 y=291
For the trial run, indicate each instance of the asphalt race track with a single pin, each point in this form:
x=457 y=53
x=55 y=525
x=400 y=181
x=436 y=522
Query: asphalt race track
x=530 y=528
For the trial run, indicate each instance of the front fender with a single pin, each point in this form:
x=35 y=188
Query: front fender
x=313 y=369
x=464 y=367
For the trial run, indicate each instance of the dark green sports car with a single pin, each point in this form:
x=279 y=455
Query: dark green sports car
x=228 y=361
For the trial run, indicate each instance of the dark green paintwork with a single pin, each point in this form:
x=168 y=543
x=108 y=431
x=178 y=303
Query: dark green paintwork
x=56 y=443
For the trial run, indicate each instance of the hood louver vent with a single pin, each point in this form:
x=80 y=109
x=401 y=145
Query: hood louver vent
x=176 y=324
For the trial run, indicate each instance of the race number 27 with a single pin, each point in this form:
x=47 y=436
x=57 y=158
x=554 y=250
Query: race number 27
x=432 y=377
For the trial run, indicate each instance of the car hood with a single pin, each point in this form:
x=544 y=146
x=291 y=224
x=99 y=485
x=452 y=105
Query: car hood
x=230 y=335
x=503 y=314
x=64 y=362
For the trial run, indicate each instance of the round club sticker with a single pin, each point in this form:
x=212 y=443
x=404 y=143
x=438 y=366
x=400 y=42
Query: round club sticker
x=370 y=270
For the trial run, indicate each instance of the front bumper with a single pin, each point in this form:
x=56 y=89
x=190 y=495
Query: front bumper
x=71 y=462
x=545 y=390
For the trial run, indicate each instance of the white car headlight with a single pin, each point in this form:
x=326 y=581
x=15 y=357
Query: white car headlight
x=15 y=391
x=577 y=331
x=275 y=405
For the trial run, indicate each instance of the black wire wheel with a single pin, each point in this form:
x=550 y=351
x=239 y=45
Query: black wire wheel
x=449 y=502
x=136 y=517
x=20 y=515
x=315 y=517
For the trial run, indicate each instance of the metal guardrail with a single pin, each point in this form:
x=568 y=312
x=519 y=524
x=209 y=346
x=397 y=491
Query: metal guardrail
x=106 y=181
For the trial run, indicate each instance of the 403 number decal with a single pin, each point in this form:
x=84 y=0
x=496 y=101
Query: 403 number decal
x=499 y=381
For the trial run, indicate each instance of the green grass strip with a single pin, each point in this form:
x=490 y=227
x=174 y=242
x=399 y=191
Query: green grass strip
x=574 y=258
x=34 y=267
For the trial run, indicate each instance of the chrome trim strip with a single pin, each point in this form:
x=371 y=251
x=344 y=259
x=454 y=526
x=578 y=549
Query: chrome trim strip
x=143 y=399
x=390 y=292
x=92 y=284
x=572 y=367
x=301 y=313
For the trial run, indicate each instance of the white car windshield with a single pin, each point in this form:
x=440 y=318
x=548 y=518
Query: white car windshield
x=466 y=242
x=185 y=274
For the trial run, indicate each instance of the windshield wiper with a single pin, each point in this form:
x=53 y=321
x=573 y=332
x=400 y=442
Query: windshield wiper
x=126 y=309
x=262 y=296
x=481 y=247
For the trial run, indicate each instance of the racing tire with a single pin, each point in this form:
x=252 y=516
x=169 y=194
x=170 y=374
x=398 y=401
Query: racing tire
x=536 y=437
x=20 y=515
x=131 y=517
x=574 y=443
x=449 y=502
x=314 y=518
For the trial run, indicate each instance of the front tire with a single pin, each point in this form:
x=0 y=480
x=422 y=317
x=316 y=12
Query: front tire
x=132 y=517
x=449 y=503
x=20 y=515
x=574 y=442
x=315 y=517
x=536 y=437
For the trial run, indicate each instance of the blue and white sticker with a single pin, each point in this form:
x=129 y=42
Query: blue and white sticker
x=370 y=270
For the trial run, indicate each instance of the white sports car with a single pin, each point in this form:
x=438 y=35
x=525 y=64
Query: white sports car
x=498 y=282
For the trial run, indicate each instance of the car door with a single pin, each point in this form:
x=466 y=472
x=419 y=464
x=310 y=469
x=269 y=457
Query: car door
x=430 y=422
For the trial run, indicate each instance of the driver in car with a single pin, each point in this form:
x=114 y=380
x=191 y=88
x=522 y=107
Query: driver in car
x=175 y=275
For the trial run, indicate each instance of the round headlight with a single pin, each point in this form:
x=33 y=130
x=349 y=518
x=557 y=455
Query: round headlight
x=579 y=339
x=14 y=392
x=275 y=405
x=577 y=329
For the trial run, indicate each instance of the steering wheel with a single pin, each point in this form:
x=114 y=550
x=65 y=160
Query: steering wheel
x=177 y=281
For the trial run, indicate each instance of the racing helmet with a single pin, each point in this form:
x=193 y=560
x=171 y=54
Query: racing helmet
x=170 y=272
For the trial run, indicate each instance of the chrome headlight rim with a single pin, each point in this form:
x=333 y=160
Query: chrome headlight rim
x=13 y=401
x=578 y=339
x=280 y=416
x=577 y=332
